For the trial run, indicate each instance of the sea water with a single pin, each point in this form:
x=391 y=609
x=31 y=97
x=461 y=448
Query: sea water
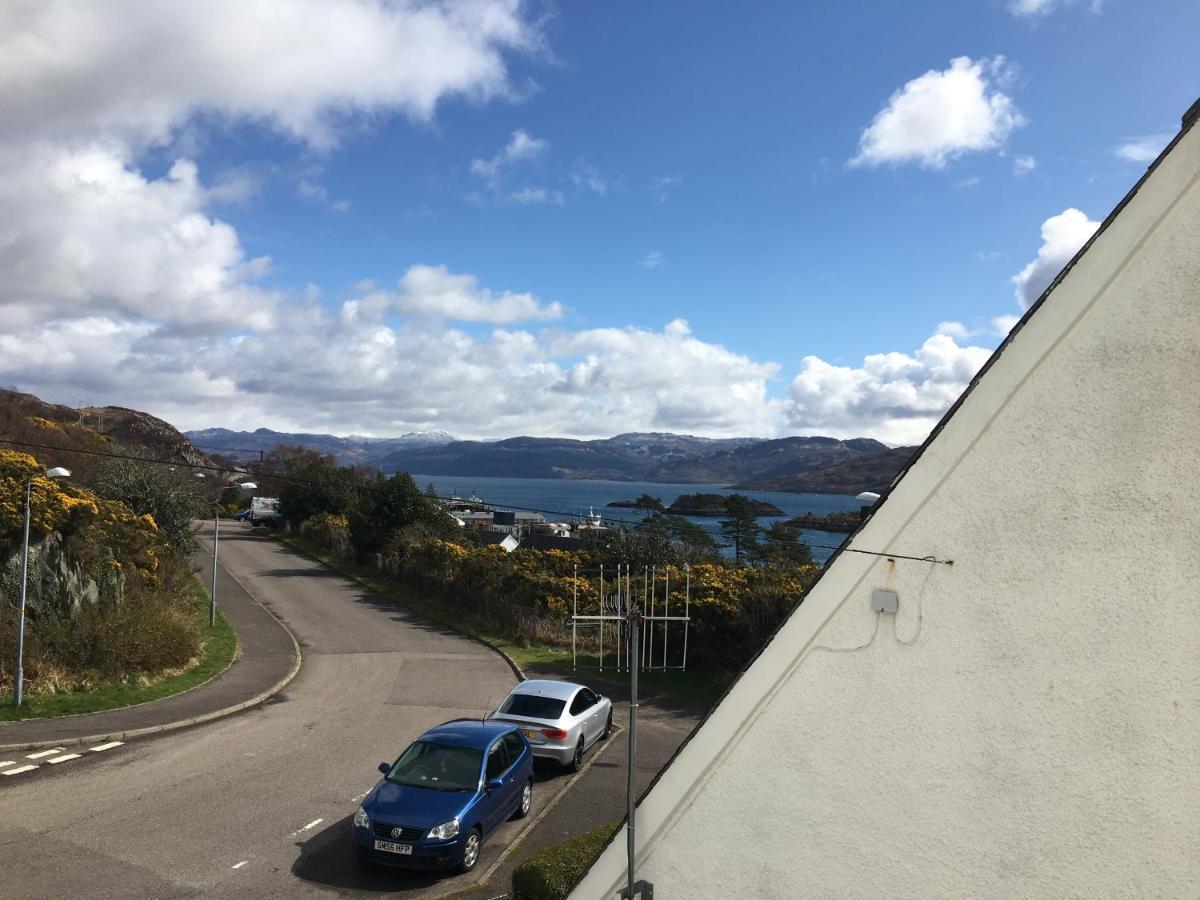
x=564 y=500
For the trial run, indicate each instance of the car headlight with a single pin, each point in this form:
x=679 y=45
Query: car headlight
x=445 y=831
x=361 y=819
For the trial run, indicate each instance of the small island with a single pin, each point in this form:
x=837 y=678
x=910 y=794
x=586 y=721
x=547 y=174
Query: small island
x=834 y=521
x=714 y=505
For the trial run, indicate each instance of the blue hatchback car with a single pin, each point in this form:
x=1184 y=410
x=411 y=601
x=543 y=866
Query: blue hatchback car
x=446 y=793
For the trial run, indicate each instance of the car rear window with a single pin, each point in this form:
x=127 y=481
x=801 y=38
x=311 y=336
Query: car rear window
x=533 y=706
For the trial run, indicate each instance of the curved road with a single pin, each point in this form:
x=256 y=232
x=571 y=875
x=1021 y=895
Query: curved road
x=257 y=804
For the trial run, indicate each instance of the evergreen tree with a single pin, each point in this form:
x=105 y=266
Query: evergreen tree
x=741 y=531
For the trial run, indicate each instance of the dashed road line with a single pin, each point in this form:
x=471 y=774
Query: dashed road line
x=107 y=746
x=239 y=865
x=54 y=761
x=19 y=769
x=313 y=824
x=54 y=752
x=8 y=762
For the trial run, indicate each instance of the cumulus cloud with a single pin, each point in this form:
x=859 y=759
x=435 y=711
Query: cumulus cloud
x=1023 y=165
x=1002 y=325
x=434 y=291
x=585 y=176
x=136 y=72
x=941 y=115
x=84 y=234
x=530 y=194
x=1143 y=149
x=1062 y=236
x=895 y=397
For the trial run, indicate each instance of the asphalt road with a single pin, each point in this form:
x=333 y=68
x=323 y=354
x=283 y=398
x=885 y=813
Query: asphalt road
x=258 y=804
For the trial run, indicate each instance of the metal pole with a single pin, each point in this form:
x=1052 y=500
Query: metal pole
x=630 y=787
x=667 y=613
x=19 y=683
x=602 y=617
x=574 y=612
x=650 y=626
x=212 y=598
x=618 y=613
x=687 y=610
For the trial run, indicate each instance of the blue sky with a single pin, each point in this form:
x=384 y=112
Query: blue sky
x=491 y=218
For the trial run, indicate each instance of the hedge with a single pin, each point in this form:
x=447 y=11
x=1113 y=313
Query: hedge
x=553 y=871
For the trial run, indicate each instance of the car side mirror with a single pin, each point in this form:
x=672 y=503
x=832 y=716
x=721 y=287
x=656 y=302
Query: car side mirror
x=494 y=784
x=385 y=768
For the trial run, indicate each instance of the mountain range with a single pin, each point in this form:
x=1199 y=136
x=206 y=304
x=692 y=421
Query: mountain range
x=805 y=464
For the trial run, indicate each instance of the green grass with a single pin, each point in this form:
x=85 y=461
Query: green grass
x=220 y=645
x=697 y=689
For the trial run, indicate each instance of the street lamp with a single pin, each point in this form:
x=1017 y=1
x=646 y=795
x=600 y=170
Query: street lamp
x=212 y=597
x=19 y=684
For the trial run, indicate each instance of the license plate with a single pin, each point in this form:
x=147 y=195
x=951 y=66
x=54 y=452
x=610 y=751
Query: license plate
x=390 y=847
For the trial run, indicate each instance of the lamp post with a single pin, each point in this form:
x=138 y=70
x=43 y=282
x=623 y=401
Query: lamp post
x=19 y=683
x=212 y=597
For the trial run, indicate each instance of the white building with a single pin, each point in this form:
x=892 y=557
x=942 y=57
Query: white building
x=1028 y=723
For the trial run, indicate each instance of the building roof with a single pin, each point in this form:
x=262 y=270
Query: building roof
x=550 y=542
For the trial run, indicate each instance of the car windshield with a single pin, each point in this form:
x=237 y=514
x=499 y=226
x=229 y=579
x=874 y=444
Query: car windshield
x=533 y=706
x=438 y=767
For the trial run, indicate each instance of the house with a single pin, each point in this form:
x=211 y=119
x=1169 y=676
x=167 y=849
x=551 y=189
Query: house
x=499 y=539
x=551 y=542
x=1027 y=723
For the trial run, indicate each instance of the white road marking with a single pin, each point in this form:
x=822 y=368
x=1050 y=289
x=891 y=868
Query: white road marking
x=239 y=865
x=19 y=770
x=7 y=762
x=108 y=746
x=352 y=799
x=57 y=759
x=313 y=824
x=56 y=750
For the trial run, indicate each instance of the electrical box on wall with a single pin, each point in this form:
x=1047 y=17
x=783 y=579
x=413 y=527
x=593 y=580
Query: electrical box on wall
x=885 y=601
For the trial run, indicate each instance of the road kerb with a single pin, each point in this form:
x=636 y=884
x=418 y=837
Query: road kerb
x=256 y=700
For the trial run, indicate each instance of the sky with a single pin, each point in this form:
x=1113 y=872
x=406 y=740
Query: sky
x=499 y=218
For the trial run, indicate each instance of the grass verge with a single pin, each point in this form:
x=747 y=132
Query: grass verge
x=696 y=689
x=552 y=872
x=220 y=645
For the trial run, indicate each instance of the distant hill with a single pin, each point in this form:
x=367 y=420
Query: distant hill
x=354 y=450
x=651 y=457
x=109 y=429
x=866 y=472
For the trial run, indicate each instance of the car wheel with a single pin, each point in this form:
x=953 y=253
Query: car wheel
x=471 y=851
x=607 y=727
x=577 y=759
x=526 y=801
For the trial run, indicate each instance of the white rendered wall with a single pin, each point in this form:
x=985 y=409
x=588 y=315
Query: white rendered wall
x=1029 y=724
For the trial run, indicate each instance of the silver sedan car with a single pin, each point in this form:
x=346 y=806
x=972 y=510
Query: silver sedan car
x=560 y=720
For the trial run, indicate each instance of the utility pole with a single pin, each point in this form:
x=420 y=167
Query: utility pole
x=212 y=598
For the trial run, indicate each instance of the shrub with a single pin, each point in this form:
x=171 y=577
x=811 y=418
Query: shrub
x=553 y=871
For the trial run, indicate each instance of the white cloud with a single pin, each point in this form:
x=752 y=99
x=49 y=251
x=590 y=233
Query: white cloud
x=652 y=260
x=434 y=291
x=587 y=177
x=1023 y=165
x=941 y=115
x=521 y=147
x=1002 y=325
x=317 y=193
x=1035 y=9
x=894 y=397
x=1062 y=236
x=956 y=330
x=86 y=235
x=136 y=73
x=529 y=195
x=663 y=186
x=1143 y=149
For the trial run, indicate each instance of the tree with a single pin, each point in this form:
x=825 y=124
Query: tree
x=386 y=505
x=173 y=498
x=693 y=543
x=314 y=484
x=782 y=547
x=648 y=505
x=741 y=531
